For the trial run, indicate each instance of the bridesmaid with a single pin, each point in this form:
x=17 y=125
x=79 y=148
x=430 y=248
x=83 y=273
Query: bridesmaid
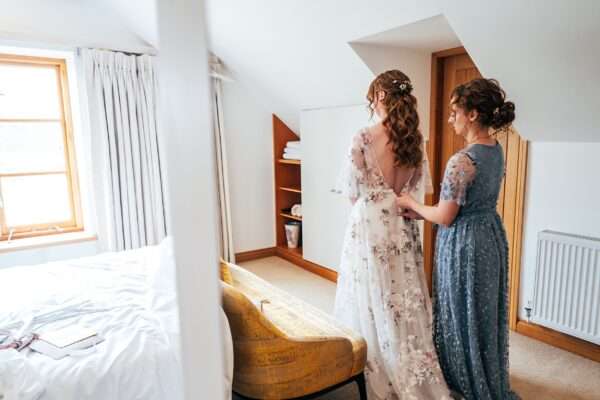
x=470 y=300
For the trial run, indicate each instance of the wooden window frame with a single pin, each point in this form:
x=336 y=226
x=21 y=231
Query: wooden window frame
x=75 y=223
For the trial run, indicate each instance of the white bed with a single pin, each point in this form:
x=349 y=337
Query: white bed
x=126 y=298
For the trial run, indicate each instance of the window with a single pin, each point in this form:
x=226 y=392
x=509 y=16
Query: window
x=39 y=194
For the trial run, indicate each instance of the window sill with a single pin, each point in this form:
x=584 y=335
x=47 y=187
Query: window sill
x=46 y=241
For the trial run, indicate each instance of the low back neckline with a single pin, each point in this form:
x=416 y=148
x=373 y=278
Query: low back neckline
x=385 y=184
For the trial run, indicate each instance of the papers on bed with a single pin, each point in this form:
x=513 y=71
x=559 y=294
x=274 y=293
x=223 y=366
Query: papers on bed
x=70 y=340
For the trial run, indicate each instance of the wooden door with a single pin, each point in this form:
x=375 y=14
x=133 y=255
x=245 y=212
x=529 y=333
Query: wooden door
x=458 y=69
x=450 y=69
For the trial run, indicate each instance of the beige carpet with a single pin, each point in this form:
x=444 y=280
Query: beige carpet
x=538 y=371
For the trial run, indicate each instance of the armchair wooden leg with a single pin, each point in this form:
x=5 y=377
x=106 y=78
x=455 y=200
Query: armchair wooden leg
x=362 y=387
x=359 y=379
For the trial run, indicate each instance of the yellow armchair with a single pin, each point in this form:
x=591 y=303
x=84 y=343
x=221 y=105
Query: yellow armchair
x=289 y=350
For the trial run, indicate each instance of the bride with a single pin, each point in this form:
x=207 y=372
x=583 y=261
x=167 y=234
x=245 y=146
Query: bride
x=382 y=293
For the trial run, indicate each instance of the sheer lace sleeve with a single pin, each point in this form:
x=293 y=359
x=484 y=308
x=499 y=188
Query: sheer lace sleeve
x=460 y=172
x=353 y=172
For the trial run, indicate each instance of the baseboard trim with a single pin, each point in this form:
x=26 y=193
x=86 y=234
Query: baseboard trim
x=291 y=256
x=560 y=340
x=317 y=269
x=255 y=254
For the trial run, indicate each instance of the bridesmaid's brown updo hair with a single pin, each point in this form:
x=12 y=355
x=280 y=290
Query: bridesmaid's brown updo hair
x=402 y=120
x=487 y=97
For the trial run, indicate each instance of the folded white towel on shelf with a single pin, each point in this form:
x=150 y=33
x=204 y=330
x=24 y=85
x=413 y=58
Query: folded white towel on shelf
x=287 y=156
x=292 y=152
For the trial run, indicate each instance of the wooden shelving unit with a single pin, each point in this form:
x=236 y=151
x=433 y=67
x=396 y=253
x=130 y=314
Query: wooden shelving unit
x=289 y=189
x=291 y=162
x=288 y=183
x=290 y=216
x=289 y=192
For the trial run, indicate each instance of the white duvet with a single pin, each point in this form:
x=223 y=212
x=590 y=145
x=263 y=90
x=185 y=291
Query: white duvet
x=110 y=293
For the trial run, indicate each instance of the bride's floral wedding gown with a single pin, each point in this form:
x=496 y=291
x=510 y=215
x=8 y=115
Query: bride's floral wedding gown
x=382 y=293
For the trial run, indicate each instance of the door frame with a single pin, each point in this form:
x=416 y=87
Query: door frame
x=434 y=153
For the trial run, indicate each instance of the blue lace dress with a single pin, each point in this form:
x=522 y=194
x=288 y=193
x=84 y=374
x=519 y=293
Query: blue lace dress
x=470 y=299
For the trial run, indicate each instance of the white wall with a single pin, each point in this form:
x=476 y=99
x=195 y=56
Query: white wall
x=249 y=139
x=563 y=195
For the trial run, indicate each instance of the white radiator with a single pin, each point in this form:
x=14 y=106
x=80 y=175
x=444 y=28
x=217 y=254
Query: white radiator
x=567 y=285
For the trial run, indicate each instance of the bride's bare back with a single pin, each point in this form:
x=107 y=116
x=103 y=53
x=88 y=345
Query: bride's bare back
x=384 y=159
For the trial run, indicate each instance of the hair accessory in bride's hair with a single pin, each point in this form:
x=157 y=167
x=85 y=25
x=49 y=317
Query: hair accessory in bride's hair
x=496 y=111
x=403 y=87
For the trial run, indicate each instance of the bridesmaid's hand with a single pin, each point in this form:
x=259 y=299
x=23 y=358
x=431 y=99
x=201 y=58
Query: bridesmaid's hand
x=411 y=214
x=405 y=201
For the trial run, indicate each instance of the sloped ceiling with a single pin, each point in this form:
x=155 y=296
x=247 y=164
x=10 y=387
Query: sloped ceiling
x=139 y=15
x=427 y=35
x=68 y=23
x=297 y=54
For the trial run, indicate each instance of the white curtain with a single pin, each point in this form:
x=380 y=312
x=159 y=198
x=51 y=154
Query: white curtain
x=122 y=92
x=227 y=250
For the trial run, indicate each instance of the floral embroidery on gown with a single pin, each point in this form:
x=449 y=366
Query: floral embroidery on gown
x=382 y=293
